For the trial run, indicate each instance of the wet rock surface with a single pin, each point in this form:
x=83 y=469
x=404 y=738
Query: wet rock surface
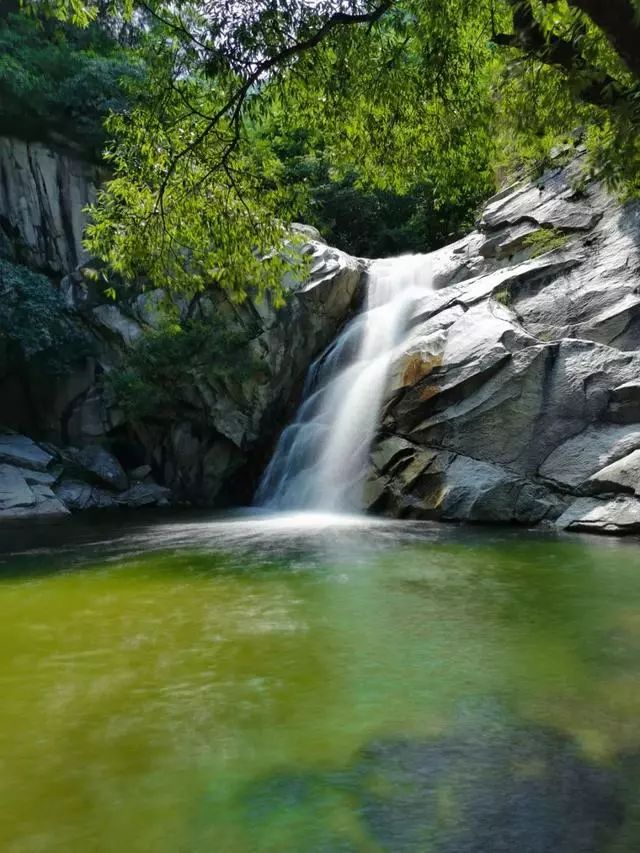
x=516 y=398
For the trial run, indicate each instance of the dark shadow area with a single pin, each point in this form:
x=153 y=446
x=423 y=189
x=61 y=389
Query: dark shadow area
x=492 y=785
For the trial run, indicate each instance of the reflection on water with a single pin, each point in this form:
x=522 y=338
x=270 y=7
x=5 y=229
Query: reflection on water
x=317 y=683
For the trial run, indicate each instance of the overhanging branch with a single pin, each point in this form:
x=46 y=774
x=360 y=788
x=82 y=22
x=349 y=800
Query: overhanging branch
x=235 y=102
x=620 y=22
x=597 y=87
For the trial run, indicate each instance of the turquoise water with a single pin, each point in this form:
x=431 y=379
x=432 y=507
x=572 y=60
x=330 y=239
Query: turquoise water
x=295 y=683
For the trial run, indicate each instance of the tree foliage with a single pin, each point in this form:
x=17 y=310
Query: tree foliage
x=36 y=328
x=392 y=95
x=60 y=80
x=367 y=220
x=201 y=193
x=159 y=374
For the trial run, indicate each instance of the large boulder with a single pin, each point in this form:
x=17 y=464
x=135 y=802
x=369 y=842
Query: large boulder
x=516 y=396
x=74 y=480
x=14 y=490
x=77 y=495
x=144 y=494
x=22 y=451
x=100 y=465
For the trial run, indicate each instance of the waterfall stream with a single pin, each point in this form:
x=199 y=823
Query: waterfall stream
x=321 y=459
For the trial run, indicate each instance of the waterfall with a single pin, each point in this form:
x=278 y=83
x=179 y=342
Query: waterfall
x=321 y=459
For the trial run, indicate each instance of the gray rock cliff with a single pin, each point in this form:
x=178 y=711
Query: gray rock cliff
x=517 y=397
x=213 y=448
x=43 y=193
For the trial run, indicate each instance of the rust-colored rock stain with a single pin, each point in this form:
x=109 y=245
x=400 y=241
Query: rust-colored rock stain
x=429 y=391
x=419 y=366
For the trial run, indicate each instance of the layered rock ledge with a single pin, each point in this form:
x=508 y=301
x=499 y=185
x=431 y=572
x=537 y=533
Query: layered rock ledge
x=39 y=480
x=517 y=396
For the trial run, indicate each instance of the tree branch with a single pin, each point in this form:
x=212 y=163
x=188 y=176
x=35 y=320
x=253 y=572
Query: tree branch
x=619 y=21
x=237 y=99
x=598 y=88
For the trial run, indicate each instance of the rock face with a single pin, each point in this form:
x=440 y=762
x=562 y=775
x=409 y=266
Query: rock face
x=517 y=396
x=43 y=192
x=43 y=481
x=213 y=449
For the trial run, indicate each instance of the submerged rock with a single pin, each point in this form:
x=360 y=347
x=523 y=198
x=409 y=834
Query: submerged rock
x=519 y=788
x=499 y=786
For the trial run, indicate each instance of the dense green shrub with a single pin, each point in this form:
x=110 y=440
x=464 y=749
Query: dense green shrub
x=167 y=364
x=36 y=328
x=372 y=222
x=57 y=80
x=378 y=223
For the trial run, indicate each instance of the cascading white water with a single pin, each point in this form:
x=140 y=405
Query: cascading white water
x=321 y=459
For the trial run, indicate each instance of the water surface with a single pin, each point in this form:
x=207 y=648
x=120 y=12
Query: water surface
x=313 y=683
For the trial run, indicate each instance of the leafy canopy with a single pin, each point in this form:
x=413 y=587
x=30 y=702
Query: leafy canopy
x=201 y=193
x=393 y=94
x=56 y=79
x=36 y=329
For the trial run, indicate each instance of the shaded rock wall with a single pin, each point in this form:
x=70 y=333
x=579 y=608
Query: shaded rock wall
x=43 y=192
x=212 y=446
x=213 y=450
x=216 y=447
x=39 y=480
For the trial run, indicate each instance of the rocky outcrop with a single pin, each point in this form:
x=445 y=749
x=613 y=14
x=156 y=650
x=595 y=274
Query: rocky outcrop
x=40 y=480
x=517 y=397
x=212 y=451
x=43 y=193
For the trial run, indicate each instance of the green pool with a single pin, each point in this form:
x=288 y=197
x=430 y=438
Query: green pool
x=307 y=683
